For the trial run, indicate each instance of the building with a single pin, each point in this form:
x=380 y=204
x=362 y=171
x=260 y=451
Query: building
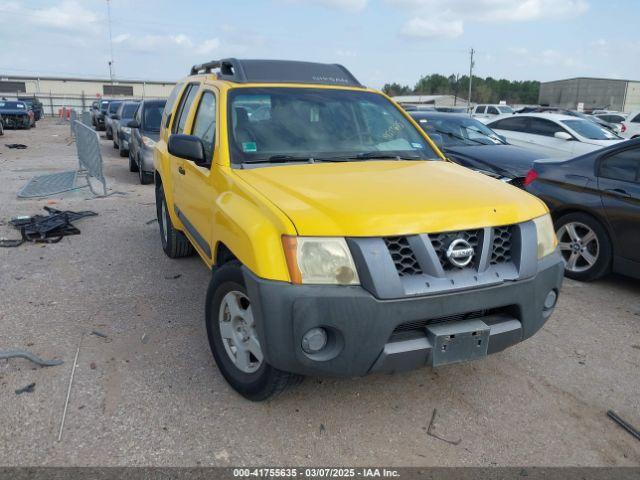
x=431 y=100
x=619 y=95
x=78 y=93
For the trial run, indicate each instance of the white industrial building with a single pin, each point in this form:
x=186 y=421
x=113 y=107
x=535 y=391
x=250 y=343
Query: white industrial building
x=431 y=100
x=78 y=93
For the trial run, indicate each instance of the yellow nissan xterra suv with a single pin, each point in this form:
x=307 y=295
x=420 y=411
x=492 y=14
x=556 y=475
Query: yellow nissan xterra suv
x=341 y=240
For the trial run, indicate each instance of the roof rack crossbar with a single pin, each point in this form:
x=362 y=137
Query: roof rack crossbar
x=281 y=71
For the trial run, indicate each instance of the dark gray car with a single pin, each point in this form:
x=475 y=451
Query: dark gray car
x=145 y=130
x=119 y=125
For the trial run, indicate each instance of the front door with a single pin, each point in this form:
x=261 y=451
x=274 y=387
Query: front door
x=194 y=192
x=619 y=184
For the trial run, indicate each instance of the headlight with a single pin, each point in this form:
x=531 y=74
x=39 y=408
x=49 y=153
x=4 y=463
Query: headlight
x=319 y=260
x=148 y=142
x=126 y=130
x=547 y=240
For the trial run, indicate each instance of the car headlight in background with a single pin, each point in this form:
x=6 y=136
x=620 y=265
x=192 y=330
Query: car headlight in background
x=148 y=142
x=319 y=260
x=547 y=240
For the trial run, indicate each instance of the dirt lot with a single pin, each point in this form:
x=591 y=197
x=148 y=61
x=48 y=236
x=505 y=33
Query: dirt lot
x=159 y=400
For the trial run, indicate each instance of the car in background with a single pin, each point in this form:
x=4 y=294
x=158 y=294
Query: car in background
x=119 y=122
x=95 y=111
x=16 y=114
x=108 y=119
x=145 y=129
x=101 y=114
x=574 y=113
x=615 y=118
x=595 y=204
x=470 y=143
x=631 y=125
x=34 y=104
x=552 y=135
x=491 y=110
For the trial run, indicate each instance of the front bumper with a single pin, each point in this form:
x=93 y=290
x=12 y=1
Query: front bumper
x=368 y=335
x=16 y=121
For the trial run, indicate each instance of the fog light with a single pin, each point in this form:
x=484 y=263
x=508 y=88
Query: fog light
x=551 y=299
x=314 y=340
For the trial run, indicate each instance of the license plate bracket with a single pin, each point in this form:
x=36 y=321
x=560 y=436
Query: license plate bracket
x=458 y=341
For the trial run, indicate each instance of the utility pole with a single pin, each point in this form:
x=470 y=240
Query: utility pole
x=111 y=68
x=455 y=98
x=471 y=65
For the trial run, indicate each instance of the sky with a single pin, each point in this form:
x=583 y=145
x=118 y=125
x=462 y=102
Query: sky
x=380 y=41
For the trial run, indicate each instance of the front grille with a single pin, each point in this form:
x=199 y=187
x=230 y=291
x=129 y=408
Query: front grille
x=517 y=182
x=441 y=242
x=402 y=255
x=501 y=249
x=420 y=325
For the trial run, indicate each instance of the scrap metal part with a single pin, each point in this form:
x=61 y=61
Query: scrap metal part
x=29 y=356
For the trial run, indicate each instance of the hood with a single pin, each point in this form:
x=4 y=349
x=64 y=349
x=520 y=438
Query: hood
x=384 y=198
x=506 y=160
x=604 y=143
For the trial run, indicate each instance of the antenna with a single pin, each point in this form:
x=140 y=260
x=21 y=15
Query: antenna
x=111 y=68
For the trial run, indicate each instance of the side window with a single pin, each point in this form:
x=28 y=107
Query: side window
x=514 y=124
x=539 y=126
x=182 y=112
x=138 y=115
x=168 y=108
x=480 y=109
x=636 y=119
x=623 y=166
x=204 y=125
x=493 y=111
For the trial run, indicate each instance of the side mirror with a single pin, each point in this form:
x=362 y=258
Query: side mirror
x=563 y=136
x=437 y=139
x=187 y=147
x=133 y=124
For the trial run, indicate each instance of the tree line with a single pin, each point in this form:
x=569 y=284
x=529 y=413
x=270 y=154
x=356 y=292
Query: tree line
x=483 y=90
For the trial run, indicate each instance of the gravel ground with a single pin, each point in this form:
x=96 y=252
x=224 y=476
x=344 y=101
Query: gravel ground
x=150 y=393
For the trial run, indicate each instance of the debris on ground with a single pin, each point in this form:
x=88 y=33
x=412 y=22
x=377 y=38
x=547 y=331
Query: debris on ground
x=173 y=277
x=92 y=365
x=145 y=338
x=45 y=228
x=18 y=146
x=29 y=356
x=431 y=434
x=149 y=222
x=627 y=426
x=28 y=389
x=99 y=334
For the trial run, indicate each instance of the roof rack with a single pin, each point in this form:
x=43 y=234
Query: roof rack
x=278 y=71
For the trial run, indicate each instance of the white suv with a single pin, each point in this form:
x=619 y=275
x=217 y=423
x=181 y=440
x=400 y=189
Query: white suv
x=490 y=111
x=631 y=126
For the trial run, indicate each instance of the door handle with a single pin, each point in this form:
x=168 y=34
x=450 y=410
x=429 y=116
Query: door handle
x=619 y=192
x=181 y=171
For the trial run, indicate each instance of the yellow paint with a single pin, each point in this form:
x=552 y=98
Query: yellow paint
x=249 y=210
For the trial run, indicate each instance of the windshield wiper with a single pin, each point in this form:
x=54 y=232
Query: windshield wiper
x=283 y=159
x=378 y=155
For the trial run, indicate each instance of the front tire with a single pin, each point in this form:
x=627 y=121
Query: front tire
x=233 y=340
x=122 y=151
x=108 y=134
x=132 y=164
x=584 y=245
x=174 y=243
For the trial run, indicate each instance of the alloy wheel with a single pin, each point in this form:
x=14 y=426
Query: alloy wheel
x=237 y=329
x=579 y=246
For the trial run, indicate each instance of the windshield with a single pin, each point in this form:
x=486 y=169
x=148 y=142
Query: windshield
x=113 y=107
x=13 y=105
x=153 y=117
x=317 y=124
x=460 y=131
x=129 y=110
x=505 y=109
x=590 y=130
x=104 y=105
